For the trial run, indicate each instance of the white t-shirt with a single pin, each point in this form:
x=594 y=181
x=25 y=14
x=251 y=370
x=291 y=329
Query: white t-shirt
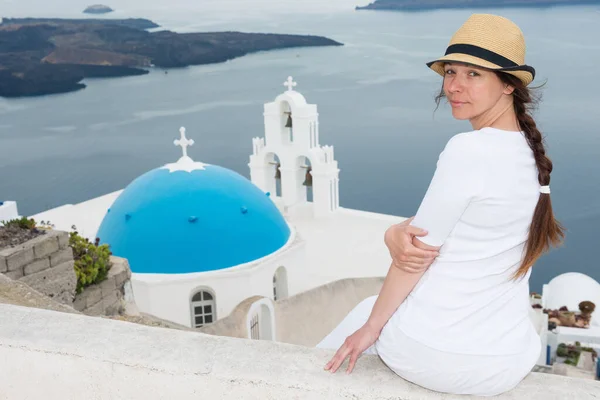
x=478 y=207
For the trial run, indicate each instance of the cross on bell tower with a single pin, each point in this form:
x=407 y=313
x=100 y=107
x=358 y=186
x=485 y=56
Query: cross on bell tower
x=289 y=83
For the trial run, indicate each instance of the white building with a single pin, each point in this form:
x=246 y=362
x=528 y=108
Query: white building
x=200 y=238
x=8 y=211
x=569 y=290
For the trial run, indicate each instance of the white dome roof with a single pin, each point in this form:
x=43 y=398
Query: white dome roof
x=569 y=290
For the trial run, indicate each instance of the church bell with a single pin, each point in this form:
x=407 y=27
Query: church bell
x=277 y=171
x=308 y=178
x=288 y=124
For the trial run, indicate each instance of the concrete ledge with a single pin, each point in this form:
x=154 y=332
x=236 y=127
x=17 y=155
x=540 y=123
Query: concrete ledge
x=72 y=356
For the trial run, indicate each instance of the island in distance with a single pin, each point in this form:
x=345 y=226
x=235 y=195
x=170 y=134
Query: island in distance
x=44 y=56
x=422 y=5
x=98 y=9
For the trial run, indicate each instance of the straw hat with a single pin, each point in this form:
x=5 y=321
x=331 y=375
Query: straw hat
x=488 y=41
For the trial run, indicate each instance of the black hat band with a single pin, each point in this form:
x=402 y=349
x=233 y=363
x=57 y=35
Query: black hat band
x=488 y=55
x=482 y=53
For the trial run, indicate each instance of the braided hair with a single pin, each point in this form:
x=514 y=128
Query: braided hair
x=545 y=230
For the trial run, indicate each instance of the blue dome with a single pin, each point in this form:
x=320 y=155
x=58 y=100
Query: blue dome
x=180 y=222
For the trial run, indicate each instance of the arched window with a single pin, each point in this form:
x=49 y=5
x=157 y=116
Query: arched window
x=203 y=309
x=280 y=289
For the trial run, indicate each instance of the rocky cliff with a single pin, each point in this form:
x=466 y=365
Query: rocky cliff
x=42 y=56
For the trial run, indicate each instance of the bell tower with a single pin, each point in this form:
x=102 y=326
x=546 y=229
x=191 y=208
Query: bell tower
x=301 y=176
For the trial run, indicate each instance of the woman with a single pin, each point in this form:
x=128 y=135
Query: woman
x=453 y=312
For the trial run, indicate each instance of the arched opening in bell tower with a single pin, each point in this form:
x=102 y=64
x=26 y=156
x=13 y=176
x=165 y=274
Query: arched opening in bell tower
x=274 y=174
x=305 y=179
x=287 y=123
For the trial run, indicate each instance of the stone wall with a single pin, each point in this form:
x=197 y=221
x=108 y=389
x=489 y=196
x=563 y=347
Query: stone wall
x=324 y=306
x=45 y=263
x=54 y=355
x=106 y=297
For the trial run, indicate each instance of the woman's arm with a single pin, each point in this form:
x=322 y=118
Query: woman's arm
x=396 y=287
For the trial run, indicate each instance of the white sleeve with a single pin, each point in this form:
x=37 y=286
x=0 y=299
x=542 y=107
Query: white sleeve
x=457 y=180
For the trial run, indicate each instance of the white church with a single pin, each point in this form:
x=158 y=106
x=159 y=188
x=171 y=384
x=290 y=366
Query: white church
x=200 y=239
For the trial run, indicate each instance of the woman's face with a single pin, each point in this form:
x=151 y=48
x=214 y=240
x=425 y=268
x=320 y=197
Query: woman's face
x=472 y=91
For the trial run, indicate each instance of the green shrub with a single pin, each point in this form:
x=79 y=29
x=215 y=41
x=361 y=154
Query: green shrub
x=572 y=352
x=562 y=351
x=23 y=223
x=92 y=261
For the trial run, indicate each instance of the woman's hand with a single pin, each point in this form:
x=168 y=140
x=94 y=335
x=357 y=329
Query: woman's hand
x=408 y=253
x=353 y=346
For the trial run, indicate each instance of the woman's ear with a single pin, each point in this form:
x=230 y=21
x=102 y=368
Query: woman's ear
x=508 y=89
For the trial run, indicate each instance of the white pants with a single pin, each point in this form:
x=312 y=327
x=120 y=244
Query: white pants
x=434 y=369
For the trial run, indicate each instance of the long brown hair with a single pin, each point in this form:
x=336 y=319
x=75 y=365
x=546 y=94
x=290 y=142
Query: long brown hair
x=545 y=230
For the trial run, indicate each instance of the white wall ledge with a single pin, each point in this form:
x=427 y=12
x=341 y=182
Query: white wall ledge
x=53 y=355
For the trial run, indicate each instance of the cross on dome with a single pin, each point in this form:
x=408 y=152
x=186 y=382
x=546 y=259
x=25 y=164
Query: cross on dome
x=185 y=163
x=289 y=83
x=183 y=141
